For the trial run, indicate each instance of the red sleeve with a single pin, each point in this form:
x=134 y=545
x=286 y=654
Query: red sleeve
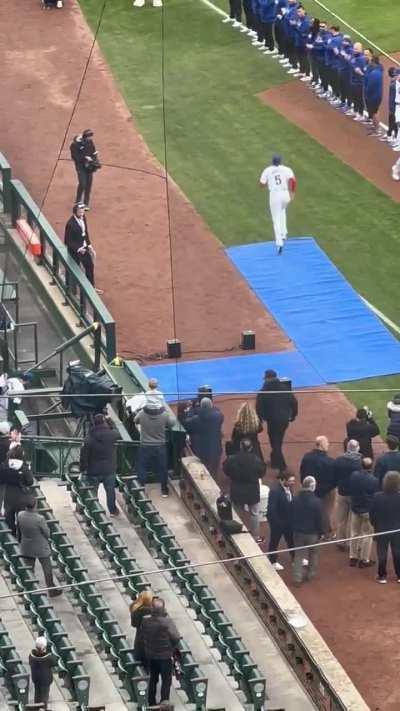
x=292 y=185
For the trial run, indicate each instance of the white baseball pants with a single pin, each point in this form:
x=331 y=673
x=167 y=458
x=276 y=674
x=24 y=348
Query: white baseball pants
x=278 y=202
x=396 y=170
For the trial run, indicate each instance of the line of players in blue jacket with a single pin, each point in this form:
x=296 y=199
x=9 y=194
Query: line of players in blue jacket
x=336 y=68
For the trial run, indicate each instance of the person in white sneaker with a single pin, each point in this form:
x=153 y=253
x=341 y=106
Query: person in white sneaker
x=267 y=16
x=373 y=91
x=358 y=63
x=235 y=13
x=280 y=515
x=281 y=184
x=141 y=3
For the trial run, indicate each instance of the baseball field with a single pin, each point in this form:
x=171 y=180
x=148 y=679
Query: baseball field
x=220 y=134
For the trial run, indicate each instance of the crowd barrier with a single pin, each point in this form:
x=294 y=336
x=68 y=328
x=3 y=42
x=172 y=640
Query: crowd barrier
x=316 y=667
x=77 y=291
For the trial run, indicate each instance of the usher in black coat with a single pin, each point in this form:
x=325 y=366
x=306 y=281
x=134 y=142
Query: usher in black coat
x=73 y=237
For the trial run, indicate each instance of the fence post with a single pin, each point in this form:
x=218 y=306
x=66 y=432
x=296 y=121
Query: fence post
x=111 y=344
x=6 y=176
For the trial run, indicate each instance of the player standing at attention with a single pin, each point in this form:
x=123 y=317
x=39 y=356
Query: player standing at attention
x=281 y=185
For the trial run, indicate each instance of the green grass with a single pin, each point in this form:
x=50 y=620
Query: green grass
x=220 y=136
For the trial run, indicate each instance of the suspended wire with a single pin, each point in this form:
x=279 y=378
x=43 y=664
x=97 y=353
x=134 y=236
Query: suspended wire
x=195 y=566
x=123 y=167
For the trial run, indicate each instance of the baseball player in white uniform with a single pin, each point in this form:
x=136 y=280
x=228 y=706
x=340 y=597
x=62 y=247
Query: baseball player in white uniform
x=281 y=185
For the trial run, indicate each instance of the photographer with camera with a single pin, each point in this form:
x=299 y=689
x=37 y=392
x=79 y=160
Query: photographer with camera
x=363 y=428
x=85 y=157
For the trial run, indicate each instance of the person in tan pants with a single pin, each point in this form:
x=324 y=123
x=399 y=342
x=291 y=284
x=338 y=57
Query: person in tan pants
x=344 y=466
x=363 y=486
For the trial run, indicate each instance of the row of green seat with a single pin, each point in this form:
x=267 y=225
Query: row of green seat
x=193 y=683
x=14 y=672
x=44 y=617
x=113 y=640
x=216 y=624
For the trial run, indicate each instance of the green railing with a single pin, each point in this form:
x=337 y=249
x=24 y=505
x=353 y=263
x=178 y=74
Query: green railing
x=72 y=282
x=5 y=190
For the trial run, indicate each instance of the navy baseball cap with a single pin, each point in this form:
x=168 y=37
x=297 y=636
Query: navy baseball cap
x=276 y=159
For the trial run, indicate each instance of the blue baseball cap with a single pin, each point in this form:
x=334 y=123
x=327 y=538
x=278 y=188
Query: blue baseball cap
x=276 y=159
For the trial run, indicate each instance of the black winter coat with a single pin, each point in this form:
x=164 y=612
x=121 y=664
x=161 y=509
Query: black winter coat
x=319 y=465
x=18 y=483
x=42 y=667
x=73 y=237
x=385 y=512
x=4 y=447
x=160 y=636
x=363 y=486
x=244 y=470
x=205 y=430
x=275 y=406
x=280 y=509
x=388 y=462
x=307 y=514
x=344 y=466
x=99 y=453
x=80 y=149
x=363 y=431
x=136 y=622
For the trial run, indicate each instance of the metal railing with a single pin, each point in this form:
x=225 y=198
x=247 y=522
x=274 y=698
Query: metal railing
x=65 y=273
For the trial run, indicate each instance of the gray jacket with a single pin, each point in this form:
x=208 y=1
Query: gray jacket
x=35 y=535
x=153 y=427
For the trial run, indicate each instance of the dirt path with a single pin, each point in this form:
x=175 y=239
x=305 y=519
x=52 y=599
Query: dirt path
x=349 y=141
x=42 y=66
x=42 y=63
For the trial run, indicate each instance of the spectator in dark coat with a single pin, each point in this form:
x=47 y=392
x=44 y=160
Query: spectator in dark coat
x=99 y=459
x=276 y=406
x=385 y=516
x=344 y=466
x=5 y=428
x=363 y=486
x=363 y=428
x=280 y=515
x=139 y=609
x=160 y=642
x=34 y=536
x=153 y=425
x=247 y=425
x=308 y=527
x=245 y=470
x=389 y=461
x=86 y=160
x=393 y=412
x=17 y=477
x=320 y=465
x=205 y=429
x=78 y=244
x=41 y=662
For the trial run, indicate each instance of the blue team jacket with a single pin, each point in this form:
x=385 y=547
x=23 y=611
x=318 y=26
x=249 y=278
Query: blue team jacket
x=289 y=21
x=331 y=58
x=301 y=31
x=255 y=8
x=281 y=9
x=318 y=49
x=357 y=61
x=373 y=84
x=267 y=10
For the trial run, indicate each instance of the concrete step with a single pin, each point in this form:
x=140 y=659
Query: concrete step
x=284 y=689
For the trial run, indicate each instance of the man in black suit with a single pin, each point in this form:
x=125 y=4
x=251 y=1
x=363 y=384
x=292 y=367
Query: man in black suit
x=84 y=155
x=280 y=515
x=277 y=406
x=77 y=242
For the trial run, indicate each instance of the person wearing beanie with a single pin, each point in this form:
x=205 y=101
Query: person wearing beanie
x=363 y=428
x=154 y=397
x=281 y=184
x=276 y=406
x=389 y=461
x=41 y=662
x=205 y=430
x=98 y=459
x=34 y=537
x=86 y=160
x=343 y=467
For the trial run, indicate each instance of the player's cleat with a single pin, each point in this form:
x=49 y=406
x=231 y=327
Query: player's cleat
x=358 y=118
x=292 y=71
x=274 y=51
x=235 y=24
x=138 y=3
x=245 y=29
x=256 y=43
x=396 y=147
x=395 y=176
x=350 y=113
x=227 y=19
x=284 y=60
x=261 y=49
x=268 y=51
x=306 y=78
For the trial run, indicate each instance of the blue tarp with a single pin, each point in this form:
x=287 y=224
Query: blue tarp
x=235 y=374
x=319 y=311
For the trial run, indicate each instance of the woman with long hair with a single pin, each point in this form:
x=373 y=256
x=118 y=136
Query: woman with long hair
x=247 y=425
x=139 y=608
x=385 y=516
